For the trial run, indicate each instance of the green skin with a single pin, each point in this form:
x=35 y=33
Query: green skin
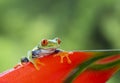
x=44 y=50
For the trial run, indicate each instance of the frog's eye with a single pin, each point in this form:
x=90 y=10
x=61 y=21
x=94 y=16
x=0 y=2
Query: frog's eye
x=59 y=41
x=44 y=42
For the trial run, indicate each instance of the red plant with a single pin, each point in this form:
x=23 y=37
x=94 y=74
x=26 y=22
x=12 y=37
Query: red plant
x=55 y=72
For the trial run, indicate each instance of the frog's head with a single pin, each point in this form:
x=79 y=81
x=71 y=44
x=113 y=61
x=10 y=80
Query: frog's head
x=49 y=44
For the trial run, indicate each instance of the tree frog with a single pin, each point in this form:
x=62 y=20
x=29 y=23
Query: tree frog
x=45 y=48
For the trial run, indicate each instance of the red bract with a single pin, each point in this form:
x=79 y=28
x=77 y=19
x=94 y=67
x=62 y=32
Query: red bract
x=95 y=76
x=55 y=72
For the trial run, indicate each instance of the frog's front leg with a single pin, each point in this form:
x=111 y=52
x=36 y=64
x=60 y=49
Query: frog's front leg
x=63 y=54
x=35 y=62
x=34 y=58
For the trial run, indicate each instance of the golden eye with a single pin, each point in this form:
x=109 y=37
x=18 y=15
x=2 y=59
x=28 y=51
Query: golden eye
x=59 y=41
x=44 y=42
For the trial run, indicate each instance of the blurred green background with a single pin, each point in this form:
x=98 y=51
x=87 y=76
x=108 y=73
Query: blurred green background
x=81 y=25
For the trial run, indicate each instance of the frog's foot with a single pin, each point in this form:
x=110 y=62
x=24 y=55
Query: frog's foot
x=36 y=62
x=62 y=55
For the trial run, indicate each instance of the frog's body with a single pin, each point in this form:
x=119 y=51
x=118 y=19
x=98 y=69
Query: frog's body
x=45 y=48
x=37 y=53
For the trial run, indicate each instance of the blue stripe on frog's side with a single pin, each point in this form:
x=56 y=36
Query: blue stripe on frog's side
x=37 y=53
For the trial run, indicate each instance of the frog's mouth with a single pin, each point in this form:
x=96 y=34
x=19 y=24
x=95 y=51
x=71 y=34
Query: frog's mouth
x=51 y=46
